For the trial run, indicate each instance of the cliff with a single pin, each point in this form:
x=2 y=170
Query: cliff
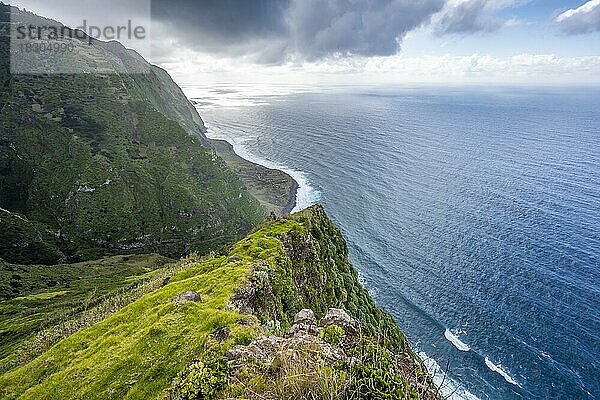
x=228 y=326
x=114 y=163
x=93 y=164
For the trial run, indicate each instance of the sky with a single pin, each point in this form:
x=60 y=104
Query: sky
x=547 y=42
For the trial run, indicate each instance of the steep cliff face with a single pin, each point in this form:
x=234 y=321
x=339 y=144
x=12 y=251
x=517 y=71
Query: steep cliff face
x=109 y=163
x=193 y=338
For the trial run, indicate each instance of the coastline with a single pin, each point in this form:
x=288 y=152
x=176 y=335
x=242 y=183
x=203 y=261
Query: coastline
x=292 y=200
x=274 y=188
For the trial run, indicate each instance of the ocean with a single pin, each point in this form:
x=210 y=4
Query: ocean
x=472 y=215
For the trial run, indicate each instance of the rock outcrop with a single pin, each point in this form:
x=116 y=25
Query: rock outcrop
x=187 y=296
x=339 y=317
x=303 y=336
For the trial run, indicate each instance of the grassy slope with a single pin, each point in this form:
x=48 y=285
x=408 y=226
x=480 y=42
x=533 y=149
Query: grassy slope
x=38 y=296
x=138 y=351
x=110 y=164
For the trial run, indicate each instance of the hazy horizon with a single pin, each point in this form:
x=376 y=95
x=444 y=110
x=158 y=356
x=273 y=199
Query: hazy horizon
x=456 y=42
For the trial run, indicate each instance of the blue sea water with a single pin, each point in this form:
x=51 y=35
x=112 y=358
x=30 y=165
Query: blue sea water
x=472 y=214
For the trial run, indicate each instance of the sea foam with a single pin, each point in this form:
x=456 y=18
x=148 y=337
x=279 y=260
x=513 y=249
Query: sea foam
x=306 y=195
x=449 y=388
x=454 y=339
x=498 y=369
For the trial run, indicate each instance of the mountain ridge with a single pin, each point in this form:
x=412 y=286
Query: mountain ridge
x=78 y=151
x=95 y=165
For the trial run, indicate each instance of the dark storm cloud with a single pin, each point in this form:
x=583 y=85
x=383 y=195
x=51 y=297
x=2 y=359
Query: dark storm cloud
x=371 y=28
x=468 y=17
x=272 y=30
x=213 y=23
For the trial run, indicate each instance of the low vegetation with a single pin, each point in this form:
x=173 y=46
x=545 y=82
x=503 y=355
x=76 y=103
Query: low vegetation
x=114 y=163
x=41 y=303
x=159 y=346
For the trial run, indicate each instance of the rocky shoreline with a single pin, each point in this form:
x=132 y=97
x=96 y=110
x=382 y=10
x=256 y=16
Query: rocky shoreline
x=292 y=201
x=275 y=189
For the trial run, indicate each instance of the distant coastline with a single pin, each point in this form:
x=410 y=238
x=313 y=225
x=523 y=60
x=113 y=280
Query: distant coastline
x=273 y=187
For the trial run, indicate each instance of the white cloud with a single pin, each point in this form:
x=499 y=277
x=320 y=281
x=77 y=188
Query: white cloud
x=526 y=69
x=584 y=19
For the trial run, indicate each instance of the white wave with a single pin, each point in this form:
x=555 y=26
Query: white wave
x=455 y=340
x=226 y=95
x=449 y=388
x=498 y=369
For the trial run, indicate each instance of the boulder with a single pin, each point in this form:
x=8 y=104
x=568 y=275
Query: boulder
x=302 y=329
x=339 y=317
x=305 y=322
x=267 y=349
x=263 y=349
x=187 y=296
x=221 y=334
x=305 y=316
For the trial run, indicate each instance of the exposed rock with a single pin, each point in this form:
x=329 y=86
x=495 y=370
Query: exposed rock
x=221 y=334
x=242 y=299
x=305 y=316
x=187 y=296
x=301 y=339
x=339 y=317
x=267 y=349
x=304 y=322
x=299 y=329
x=233 y=259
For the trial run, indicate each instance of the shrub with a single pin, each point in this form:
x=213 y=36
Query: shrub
x=376 y=377
x=333 y=334
x=201 y=379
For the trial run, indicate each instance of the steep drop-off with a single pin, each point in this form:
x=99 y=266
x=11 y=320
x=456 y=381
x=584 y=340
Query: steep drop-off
x=174 y=341
x=104 y=163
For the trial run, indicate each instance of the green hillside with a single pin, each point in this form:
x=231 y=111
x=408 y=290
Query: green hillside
x=96 y=164
x=142 y=351
x=37 y=297
x=106 y=181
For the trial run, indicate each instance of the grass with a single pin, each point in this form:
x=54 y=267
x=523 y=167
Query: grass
x=35 y=297
x=149 y=347
x=42 y=296
x=136 y=352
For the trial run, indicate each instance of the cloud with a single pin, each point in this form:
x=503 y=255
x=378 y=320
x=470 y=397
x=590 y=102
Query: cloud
x=319 y=28
x=275 y=31
x=468 y=17
x=584 y=19
x=523 y=69
x=474 y=16
x=220 y=25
